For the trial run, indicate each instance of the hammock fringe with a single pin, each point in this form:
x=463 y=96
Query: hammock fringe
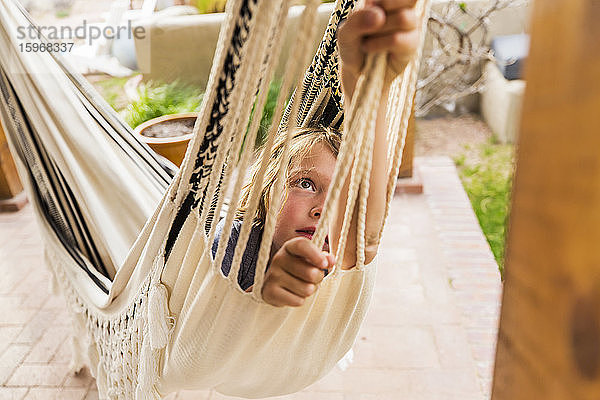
x=160 y=323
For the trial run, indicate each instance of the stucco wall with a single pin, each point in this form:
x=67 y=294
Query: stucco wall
x=182 y=47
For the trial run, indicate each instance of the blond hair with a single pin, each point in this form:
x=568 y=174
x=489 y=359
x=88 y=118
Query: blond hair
x=301 y=144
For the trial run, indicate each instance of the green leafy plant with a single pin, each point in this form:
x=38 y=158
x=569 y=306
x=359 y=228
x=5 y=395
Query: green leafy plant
x=267 y=115
x=488 y=184
x=62 y=13
x=215 y=6
x=112 y=91
x=209 y=6
x=156 y=100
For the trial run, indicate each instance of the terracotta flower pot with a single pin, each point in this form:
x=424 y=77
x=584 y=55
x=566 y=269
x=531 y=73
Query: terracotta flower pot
x=169 y=135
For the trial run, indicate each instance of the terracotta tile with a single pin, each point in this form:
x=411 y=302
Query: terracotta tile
x=83 y=379
x=36 y=327
x=380 y=382
x=318 y=395
x=218 y=396
x=453 y=347
x=405 y=347
x=55 y=302
x=8 y=335
x=12 y=393
x=193 y=395
x=8 y=301
x=63 y=354
x=43 y=351
x=14 y=355
x=399 y=273
x=16 y=316
x=92 y=395
x=333 y=381
x=6 y=373
x=32 y=282
x=35 y=300
x=445 y=384
x=39 y=375
x=55 y=394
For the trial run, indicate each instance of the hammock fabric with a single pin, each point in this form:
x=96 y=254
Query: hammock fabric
x=127 y=241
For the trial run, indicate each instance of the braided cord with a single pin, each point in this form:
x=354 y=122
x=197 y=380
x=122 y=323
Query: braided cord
x=305 y=37
x=272 y=53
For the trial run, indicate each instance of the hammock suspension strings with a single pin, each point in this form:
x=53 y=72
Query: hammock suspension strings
x=304 y=38
x=250 y=138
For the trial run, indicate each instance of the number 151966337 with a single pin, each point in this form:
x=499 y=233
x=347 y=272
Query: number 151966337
x=45 y=47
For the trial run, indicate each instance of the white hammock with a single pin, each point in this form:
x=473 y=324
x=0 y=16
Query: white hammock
x=169 y=319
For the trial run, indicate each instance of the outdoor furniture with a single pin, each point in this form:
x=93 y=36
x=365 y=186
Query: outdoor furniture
x=501 y=101
x=502 y=97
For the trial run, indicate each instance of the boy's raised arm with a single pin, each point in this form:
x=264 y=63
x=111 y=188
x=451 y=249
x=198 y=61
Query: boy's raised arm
x=381 y=26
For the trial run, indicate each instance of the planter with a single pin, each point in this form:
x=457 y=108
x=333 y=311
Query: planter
x=12 y=196
x=168 y=135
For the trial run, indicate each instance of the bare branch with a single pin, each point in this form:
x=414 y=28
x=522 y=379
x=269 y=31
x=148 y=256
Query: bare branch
x=452 y=69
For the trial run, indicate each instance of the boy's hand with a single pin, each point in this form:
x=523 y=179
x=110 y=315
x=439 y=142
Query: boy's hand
x=295 y=271
x=381 y=26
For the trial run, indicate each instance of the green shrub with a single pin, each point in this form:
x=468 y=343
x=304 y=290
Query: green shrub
x=112 y=91
x=267 y=115
x=62 y=13
x=215 y=6
x=156 y=100
x=488 y=184
x=209 y=6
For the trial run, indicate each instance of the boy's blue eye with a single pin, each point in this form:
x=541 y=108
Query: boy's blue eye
x=305 y=183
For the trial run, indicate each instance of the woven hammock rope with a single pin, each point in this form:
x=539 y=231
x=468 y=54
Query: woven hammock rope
x=169 y=319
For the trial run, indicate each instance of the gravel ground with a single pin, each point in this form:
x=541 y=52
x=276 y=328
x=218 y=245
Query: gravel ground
x=451 y=136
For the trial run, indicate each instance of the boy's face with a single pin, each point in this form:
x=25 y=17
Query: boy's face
x=306 y=193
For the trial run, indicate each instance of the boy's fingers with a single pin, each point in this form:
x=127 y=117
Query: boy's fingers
x=360 y=23
x=330 y=260
x=279 y=297
x=305 y=272
x=390 y=5
x=398 y=43
x=303 y=248
x=404 y=19
x=297 y=287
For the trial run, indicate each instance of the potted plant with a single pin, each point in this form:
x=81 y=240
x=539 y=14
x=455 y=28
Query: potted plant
x=169 y=135
x=163 y=114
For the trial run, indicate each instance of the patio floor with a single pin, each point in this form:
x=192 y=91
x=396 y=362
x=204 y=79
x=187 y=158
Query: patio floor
x=430 y=332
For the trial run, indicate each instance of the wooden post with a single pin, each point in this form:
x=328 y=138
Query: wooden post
x=12 y=197
x=549 y=338
x=409 y=180
x=406 y=167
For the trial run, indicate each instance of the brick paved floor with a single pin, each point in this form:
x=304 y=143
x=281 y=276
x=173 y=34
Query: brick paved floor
x=429 y=334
